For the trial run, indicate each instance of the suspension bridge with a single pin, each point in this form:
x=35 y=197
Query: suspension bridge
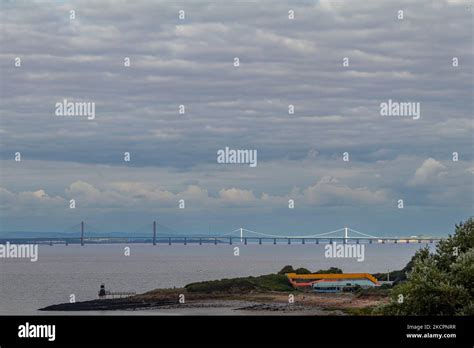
x=238 y=236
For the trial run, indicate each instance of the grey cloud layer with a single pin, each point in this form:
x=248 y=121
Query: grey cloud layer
x=282 y=62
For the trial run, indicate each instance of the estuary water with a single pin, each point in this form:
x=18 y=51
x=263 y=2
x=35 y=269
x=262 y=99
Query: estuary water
x=62 y=271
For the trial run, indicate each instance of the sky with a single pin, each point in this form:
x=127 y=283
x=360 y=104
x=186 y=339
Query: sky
x=282 y=62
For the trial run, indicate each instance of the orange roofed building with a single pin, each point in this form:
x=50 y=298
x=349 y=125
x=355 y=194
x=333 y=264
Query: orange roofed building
x=332 y=282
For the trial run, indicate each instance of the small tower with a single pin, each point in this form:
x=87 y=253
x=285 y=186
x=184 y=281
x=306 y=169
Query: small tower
x=102 y=291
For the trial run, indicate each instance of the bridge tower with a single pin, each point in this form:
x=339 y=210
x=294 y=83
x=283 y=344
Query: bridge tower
x=241 y=234
x=82 y=233
x=346 y=234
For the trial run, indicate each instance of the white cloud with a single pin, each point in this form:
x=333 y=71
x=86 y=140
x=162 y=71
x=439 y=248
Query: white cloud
x=428 y=172
x=329 y=191
x=24 y=200
x=236 y=196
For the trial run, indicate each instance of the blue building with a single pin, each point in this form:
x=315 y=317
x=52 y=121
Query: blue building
x=330 y=285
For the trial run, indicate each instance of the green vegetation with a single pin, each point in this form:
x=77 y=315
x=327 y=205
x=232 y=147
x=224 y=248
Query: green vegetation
x=287 y=269
x=332 y=270
x=302 y=270
x=440 y=283
x=395 y=276
x=269 y=282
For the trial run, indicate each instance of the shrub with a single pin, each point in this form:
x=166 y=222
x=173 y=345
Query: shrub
x=441 y=283
x=302 y=270
x=287 y=269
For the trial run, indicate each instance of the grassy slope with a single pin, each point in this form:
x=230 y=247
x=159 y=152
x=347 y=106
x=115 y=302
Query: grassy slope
x=269 y=282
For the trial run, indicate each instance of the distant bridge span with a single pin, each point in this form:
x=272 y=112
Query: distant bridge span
x=238 y=236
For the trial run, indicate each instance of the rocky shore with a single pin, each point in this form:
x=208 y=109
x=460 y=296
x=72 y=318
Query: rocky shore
x=109 y=305
x=263 y=303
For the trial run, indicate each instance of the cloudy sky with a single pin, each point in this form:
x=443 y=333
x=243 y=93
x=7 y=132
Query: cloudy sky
x=190 y=62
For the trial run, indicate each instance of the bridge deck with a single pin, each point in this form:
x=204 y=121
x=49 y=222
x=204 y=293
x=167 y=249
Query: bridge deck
x=200 y=240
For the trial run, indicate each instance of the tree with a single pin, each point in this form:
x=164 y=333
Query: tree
x=447 y=251
x=331 y=270
x=302 y=270
x=441 y=283
x=287 y=269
